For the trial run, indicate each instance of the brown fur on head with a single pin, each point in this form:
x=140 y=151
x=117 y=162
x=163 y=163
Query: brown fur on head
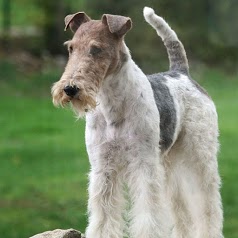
x=95 y=52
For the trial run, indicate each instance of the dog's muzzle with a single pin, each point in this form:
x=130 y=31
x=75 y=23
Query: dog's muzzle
x=71 y=91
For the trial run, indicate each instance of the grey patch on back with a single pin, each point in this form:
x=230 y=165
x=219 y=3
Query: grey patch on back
x=165 y=104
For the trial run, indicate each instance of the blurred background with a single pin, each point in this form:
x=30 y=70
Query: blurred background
x=43 y=162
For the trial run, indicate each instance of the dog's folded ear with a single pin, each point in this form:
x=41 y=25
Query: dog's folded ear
x=118 y=25
x=75 y=20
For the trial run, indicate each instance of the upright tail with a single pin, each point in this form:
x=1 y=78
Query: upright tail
x=176 y=52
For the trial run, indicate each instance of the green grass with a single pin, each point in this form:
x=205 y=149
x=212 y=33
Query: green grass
x=43 y=162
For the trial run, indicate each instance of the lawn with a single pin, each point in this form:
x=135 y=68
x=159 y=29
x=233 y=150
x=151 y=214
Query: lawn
x=43 y=162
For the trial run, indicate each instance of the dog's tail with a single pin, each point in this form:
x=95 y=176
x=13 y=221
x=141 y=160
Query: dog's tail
x=177 y=55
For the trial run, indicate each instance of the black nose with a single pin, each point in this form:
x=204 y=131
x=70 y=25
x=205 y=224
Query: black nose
x=71 y=90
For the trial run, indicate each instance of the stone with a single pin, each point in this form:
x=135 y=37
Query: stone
x=58 y=233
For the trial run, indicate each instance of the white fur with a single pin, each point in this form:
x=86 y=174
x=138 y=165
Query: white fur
x=175 y=194
x=119 y=156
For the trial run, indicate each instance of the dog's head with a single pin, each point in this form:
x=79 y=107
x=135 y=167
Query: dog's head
x=95 y=52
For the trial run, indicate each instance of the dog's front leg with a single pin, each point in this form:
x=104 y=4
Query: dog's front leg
x=105 y=205
x=149 y=213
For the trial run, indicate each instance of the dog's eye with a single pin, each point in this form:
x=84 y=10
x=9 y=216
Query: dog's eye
x=70 y=49
x=95 y=50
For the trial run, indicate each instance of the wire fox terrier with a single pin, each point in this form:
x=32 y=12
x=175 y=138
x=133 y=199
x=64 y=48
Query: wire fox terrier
x=154 y=137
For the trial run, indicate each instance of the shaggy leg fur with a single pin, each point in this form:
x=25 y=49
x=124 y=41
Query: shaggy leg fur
x=105 y=205
x=193 y=179
x=149 y=214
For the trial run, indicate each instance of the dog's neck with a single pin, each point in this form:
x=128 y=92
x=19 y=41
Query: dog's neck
x=120 y=93
x=118 y=90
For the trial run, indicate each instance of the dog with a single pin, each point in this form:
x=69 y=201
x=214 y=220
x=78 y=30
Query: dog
x=150 y=138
